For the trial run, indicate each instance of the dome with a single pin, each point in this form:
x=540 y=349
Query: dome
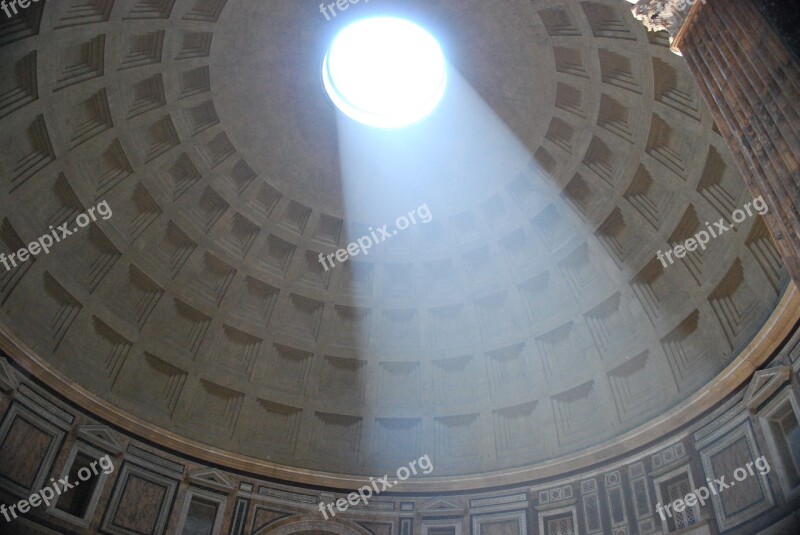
x=525 y=324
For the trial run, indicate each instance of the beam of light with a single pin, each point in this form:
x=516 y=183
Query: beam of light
x=457 y=161
x=462 y=155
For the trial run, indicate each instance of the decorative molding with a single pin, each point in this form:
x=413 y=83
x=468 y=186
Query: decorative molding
x=211 y=478
x=441 y=506
x=239 y=516
x=739 y=417
x=556 y=505
x=666 y=459
x=719 y=417
x=765 y=383
x=8 y=379
x=154 y=462
x=554 y=497
x=590 y=501
x=374 y=506
x=49 y=408
x=776 y=408
x=499 y=500
x=102 y=437
x=287 y=496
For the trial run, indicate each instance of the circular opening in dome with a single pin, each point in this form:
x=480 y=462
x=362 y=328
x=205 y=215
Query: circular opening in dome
x=385 y=72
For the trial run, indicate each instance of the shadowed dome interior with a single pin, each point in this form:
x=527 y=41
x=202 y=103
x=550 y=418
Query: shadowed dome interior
x=527 y=321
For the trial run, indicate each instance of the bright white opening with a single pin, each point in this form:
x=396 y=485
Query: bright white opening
x=385 y=72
